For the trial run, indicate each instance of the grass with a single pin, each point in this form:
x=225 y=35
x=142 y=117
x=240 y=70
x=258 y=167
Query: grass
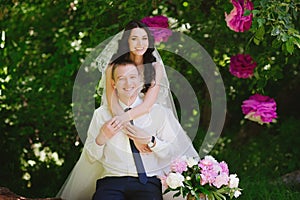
x=261 y=188
x=262 y=158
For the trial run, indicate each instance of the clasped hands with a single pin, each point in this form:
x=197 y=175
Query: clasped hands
x=110 y=128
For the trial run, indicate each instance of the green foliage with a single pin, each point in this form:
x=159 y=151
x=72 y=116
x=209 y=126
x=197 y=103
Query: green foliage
x=261 y=160
x=278 y=19
x=43 y=44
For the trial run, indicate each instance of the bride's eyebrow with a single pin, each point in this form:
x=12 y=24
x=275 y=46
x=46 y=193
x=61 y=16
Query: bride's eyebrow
x=138 y=36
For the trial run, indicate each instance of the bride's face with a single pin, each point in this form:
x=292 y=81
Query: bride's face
x=138 y=41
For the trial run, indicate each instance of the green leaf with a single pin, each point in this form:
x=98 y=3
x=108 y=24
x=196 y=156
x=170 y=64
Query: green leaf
x=297 y=42
x=261 y=83
x=256 y=41
x=292 y=31
x=176 y=194
x=259 y=35
x=255 y=12
x=260 y=21
x=276 y=43
x=284 y=37
x=219 y=196
x=247 y=12
x=290 y=45
x=275 y=31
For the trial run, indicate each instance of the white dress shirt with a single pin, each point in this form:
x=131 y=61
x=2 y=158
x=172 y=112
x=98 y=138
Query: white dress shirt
x=116 y=155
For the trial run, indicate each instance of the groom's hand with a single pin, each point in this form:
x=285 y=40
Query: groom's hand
x=108 y=130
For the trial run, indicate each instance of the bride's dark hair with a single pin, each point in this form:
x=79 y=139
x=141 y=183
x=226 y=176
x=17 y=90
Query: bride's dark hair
x=123 y=53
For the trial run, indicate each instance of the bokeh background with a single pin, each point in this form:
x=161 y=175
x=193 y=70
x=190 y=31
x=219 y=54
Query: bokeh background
x=43 y=44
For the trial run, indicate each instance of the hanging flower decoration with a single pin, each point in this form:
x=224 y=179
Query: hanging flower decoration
x=242 y=66
x=158 y=26
x=259 y=108
x=236 y=20
x=201 y=178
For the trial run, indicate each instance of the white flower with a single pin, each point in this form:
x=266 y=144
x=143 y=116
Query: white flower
x=175 y=180
x=191 y=162
x=237 y=193
x=233 y=181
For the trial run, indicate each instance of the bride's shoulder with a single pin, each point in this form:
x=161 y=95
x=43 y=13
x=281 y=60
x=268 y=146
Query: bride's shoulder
x=159 y=110
x=157 y=66
x=102 y=112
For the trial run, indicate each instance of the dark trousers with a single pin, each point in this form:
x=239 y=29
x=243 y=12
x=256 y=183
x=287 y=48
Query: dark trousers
x=128 y=188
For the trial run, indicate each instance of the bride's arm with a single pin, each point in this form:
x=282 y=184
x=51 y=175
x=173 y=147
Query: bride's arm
x=149 y=99
x=111 y=96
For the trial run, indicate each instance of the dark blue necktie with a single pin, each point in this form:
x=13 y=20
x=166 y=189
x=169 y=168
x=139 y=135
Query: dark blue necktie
x=137 y=159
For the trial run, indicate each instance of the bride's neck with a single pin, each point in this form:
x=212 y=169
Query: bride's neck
x=138 y=60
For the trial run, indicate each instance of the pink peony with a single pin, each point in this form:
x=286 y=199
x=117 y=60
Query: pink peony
x=259 y=108
x=205 y=164
x=236 y=20
x=213 y=172
x=221 y=179
x=224 y=167
x=207 y=177
x=242 y=65
x=179 y=165
x=158 y=26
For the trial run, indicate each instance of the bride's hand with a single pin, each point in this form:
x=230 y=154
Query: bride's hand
x=143 y=148
x=140 y=137
x=124 y=118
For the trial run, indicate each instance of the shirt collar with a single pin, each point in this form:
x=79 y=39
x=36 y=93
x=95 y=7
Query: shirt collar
x=137 y=101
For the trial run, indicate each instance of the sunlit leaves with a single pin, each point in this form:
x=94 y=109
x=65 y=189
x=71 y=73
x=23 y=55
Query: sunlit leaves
x=278 y=19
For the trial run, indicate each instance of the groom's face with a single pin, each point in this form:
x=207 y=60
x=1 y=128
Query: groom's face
x=126 y=81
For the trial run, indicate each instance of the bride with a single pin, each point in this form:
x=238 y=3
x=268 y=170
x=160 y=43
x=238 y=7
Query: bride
x=135 y=43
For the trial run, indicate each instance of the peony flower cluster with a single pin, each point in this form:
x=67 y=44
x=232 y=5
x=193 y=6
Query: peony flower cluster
x=236 y=20
x=213 y=173
x=259 y=108
x=158 y=26
x=242 y=66
x=179 y=165
x=189 y=176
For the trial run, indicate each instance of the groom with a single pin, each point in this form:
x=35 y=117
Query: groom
x=133 y=156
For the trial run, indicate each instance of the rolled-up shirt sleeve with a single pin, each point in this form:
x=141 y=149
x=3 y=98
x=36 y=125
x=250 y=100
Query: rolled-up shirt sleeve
x=94 y=151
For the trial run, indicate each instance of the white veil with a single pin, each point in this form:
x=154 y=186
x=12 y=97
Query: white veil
x=81 y=182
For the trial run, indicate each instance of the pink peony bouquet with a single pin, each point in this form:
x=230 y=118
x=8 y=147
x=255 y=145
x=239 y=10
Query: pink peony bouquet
x=242 y=66
x=205 y=178
x=158 y=26
x=259 y=108
x=236 y=20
